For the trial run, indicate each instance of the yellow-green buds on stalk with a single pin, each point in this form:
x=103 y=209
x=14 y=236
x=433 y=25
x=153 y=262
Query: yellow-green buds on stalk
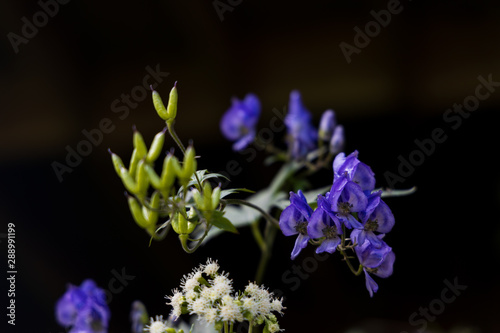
x=117 y=163
x=188 y=166
x=139 y=144
x=209 y=201
x=169 y=113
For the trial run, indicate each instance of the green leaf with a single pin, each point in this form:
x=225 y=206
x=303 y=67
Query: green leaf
x=225 y=193
x=387 y=193
x=218 y=220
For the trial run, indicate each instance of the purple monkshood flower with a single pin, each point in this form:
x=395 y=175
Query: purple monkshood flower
x=337 y=141
x=354 y=169
x=294 y=220
x=377 y=261
x=84 y=309
x=302 y=134
x=347 y=197
x=327 y=125
x=324 y=224
x=239 y=122
x=376 y=217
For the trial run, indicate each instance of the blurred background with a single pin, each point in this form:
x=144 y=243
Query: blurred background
x=78 y=66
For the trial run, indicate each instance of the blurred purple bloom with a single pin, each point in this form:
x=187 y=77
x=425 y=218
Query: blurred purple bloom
x=294 y=220
x=324 y=224
x=84 y=309
x=337 y=141
x=378 y=261
x=302 y=134
x=239 y=122
x=327 y=125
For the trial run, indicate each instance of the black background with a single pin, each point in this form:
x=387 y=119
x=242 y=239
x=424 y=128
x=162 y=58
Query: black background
x=393 y=92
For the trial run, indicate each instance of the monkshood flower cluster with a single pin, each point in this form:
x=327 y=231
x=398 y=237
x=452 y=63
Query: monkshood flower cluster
x=209 y=294
x=240 y=120
x=352 y=204
x=83 y=309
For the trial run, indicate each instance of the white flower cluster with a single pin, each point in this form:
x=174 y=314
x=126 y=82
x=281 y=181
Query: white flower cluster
x=209 y=294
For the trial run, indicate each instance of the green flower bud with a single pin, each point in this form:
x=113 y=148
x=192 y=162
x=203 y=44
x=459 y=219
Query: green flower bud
x=142 y=179
x=139 y=144
x=156 y=147
x=170 y=169
x=152 y=214
x=182 y=226
x=137 y=213
x=170 y=330
x=154 y=179
x=198 y=199
x=207 y=196
x=169 y=113
x=128 y=181
x=134 y=160
x=188 y=166
x=216 y=197
x=117 y=162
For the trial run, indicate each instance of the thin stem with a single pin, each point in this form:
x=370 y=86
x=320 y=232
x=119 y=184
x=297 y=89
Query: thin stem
x=250 y=328
x=251 y=205
x=270 y=234
x=258 y=236
x=174 y=136
x=226 y=327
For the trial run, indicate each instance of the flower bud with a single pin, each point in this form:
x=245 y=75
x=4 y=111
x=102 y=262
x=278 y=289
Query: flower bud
x=137 y=214
x=181 y=225
x=326 y=125
x=139 y=144
x=117 y=163
x=156 y=147
x=171 y=168
x=188 y=166
x=216 y=197
x=337 y=141
x=169 y=113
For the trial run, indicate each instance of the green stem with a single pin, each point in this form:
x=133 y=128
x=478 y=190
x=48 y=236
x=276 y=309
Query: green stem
x=174 y=136
x=270 y=234
x=226 y=327
x=258 y=236
x=251 y=205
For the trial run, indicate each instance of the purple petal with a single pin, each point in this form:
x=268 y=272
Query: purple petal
x=299 y=202
x=317 y=223
x=327 y=125
x=353 y=194
x=384 y=217
x=300 y=243
x=338 y=139
x=371 y=285
x=350 y=221
x=337 y=163
x=385 y=269
x=244 y=141
x=365 y=177
x=288 y=220
x=328 y=245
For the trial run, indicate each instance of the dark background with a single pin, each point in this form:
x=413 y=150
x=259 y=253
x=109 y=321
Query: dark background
x=395 y=91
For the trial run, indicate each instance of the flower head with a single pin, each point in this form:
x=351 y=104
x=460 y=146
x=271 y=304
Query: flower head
x=84 y=308
x=375 y=260
x=294 y=220
x=239 y=121
x=325 y=224
x=157 y=325
x=302 y=134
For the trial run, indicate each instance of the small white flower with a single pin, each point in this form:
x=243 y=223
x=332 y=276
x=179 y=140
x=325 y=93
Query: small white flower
x=211 y=268
x=176 y=301
x=156 y=326
x=230 y=311
x=277 y=306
